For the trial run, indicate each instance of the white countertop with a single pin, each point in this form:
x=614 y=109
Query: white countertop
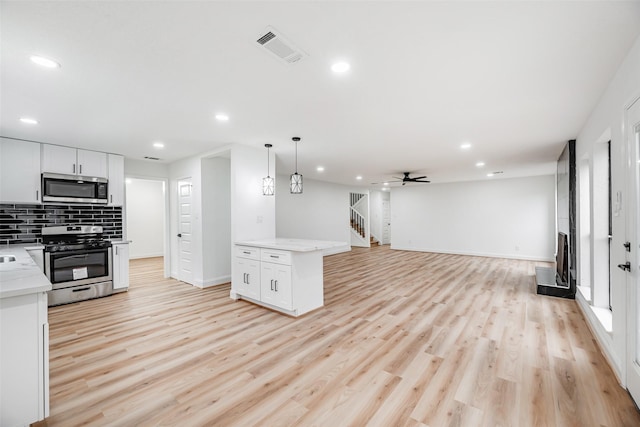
x=22 y=276
x=296 y=245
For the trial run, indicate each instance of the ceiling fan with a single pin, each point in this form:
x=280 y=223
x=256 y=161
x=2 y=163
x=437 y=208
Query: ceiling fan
x=407 y=178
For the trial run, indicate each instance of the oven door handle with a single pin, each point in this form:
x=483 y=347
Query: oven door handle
x=75 y=256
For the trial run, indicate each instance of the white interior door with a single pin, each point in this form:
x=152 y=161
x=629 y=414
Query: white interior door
x=386 y=223
x=185 y=236
x=633 y=257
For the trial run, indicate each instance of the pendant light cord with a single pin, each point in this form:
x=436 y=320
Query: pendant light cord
x=296 y=156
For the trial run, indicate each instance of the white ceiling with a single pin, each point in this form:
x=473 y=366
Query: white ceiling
x=515 y=79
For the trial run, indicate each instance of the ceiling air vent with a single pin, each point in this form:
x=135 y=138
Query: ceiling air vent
x=151 y=158
x=277 y=45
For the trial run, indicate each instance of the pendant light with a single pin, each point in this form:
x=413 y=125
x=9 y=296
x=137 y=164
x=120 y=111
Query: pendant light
x=268 y=186
x=295 y=181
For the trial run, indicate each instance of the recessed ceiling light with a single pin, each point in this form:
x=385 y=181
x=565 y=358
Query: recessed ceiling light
x=465 y=146
x=490 y=174
x=385 y=183
x=340 y=67
x=158 y=144
x=480 y=164
x=28 y=120
x=222 y=117
x=320 y=168
x=359 y=178
x=44 y=62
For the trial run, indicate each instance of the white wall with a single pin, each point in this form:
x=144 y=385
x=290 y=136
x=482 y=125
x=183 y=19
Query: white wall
x=321 y=212
x=510 y=218
x=145 y=168
x=253 y=216
x=607 y=121
x=216 y=220
x=145 y=217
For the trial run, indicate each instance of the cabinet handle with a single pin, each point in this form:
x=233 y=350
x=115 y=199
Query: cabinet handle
x=74 y=168
x=274 y=256
x=276 y=286
x=271 y=284
x=116 y=250
x=248 y=278
x=246 y=252
x=37 y=195
x=111 y=198
x=80 y=169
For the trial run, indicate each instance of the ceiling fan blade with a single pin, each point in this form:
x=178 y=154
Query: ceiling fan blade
x=418 y=177
x=421 y=181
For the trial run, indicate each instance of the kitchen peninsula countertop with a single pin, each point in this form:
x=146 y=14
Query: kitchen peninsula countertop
x=296 y=245
x=22 y=276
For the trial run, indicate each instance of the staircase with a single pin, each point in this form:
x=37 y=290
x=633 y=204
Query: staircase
x=358 y=211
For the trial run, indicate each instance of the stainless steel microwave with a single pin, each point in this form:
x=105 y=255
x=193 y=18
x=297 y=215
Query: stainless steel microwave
x=74 y=188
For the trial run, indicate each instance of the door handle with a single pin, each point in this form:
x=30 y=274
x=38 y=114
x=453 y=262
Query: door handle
x=625 y=267
x=627 y=246
x=179 y=234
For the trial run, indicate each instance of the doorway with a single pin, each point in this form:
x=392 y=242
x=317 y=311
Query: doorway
x=147 y=219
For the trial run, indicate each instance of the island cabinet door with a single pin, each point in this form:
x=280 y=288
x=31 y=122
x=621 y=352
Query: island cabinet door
x=276 y=285
x=247 y=278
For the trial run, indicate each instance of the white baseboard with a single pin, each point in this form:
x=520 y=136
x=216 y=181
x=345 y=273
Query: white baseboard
x=481 y=254
x=336 y=250
x=153 y=255
x=605 y=342
x=212 y=282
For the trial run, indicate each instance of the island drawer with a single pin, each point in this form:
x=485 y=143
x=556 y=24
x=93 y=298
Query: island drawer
x=247 y=252
x=276 y=256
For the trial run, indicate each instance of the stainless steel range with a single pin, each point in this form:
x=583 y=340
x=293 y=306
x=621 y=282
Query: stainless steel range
x=77 y=262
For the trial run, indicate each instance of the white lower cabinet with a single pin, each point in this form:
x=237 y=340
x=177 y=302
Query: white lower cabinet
x=247 y=277
x=275 y=285
x=24 y=360
x=120 y=259
x=287 y=281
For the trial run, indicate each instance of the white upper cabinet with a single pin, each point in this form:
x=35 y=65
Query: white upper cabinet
x=19 y=171
x=72 y=161
x=116 y=180
x=92 y=163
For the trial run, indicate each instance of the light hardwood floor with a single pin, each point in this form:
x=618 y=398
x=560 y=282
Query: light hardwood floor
x=404 y=339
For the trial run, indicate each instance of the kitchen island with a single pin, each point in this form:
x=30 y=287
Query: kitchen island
x=24 y=338
x=282 y=274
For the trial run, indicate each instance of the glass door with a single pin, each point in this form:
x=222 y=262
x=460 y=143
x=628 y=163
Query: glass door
x=633 y=253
